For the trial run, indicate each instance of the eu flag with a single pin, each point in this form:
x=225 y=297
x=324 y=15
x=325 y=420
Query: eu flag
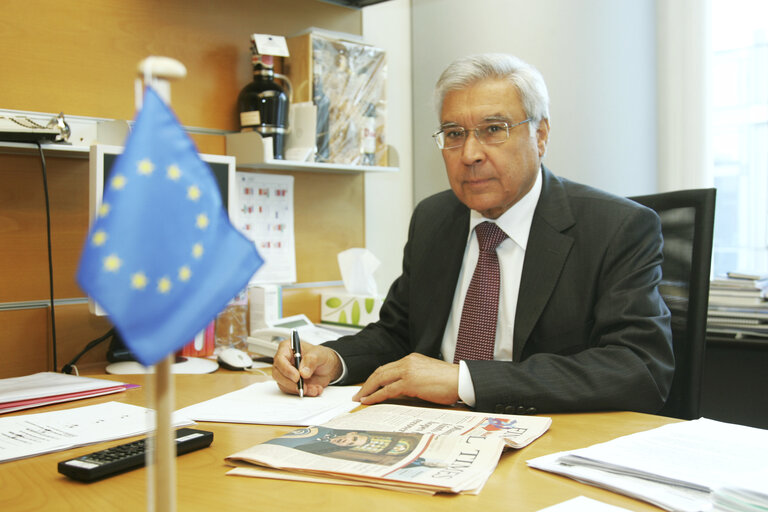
x=161 y=257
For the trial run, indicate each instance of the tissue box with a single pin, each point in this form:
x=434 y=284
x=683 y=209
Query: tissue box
x=347 y=309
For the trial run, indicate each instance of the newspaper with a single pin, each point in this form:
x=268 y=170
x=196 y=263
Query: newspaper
x=516 y=431
x=409 y=449
x=45 y=388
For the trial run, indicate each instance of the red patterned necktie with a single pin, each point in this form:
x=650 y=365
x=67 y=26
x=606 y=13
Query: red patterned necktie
x=477 y=329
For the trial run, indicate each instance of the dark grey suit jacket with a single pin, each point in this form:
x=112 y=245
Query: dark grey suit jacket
x=591 y=330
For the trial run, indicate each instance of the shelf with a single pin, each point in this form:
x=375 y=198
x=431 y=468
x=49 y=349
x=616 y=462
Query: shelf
x=251 y=151
x=292 y=165
x=72 y=151
x=734 y=340
x=28 y=148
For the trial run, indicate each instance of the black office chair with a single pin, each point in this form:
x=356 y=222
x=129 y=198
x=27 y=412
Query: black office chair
x=687 y=221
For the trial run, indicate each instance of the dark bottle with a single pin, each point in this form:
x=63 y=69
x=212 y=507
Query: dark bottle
x=263 y=104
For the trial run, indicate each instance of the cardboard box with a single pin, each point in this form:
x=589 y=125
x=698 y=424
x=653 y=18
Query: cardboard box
x=346 y=81
x=347 y=309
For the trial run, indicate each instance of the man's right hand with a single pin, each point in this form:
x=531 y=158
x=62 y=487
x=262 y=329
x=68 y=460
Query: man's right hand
x=319 y=366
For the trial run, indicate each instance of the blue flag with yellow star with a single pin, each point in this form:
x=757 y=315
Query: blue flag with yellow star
x=162 y=258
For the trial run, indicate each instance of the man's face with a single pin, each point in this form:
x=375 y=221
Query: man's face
x=490 y=178
x=350 y=439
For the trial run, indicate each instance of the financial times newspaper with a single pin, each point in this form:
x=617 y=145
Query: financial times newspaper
x=403 y=448
x=516 y=431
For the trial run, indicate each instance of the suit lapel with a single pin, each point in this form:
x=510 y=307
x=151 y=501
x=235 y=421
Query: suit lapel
x=545 y=256
x=441 y=271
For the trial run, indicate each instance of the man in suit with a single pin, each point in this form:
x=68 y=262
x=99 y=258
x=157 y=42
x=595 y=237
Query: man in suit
x=560 y=312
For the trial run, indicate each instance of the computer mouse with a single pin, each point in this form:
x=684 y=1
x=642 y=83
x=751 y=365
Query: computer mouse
x=234 y=359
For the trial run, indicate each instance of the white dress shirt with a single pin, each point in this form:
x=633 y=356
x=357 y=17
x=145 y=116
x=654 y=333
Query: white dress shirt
x=516 y=223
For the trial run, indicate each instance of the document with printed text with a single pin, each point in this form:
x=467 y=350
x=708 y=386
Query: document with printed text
x=263 y=403
x=35 y=434
x=676 y=466
x=45 y=388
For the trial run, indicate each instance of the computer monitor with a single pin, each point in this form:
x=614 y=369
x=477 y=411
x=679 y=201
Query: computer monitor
x=102 y=158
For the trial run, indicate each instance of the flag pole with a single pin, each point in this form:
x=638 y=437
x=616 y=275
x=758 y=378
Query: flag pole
x=161 y=496
x=163 y=476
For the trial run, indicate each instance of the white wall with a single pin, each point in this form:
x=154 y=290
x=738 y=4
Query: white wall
x=597 y=56
x=389 y=196
x=598 y=59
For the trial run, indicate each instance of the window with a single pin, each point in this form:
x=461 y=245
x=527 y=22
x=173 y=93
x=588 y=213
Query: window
x=739 y=34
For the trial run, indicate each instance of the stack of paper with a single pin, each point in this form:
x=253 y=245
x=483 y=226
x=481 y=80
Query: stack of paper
x=35 y=434
x=738 y=305
x=675 y=467
x=410 y=449
x=583 y=504
x=265 y=404
x=47 y=388
x=747 y=494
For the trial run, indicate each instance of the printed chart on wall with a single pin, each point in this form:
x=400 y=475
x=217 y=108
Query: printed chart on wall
x=265 y=216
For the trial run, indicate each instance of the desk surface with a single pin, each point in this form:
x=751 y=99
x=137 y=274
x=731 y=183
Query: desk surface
x=35 y=484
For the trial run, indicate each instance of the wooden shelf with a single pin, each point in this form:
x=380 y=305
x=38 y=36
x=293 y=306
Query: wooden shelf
x=251 y=151
x=28 y=148
x=72 y=151
x=291 y=165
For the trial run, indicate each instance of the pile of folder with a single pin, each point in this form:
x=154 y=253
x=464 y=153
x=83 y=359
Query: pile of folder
x=46 y=388
x=688 y=466
x=738 y=305
x=749 y=495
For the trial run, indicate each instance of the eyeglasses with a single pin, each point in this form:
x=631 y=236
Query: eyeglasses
x=492 y=132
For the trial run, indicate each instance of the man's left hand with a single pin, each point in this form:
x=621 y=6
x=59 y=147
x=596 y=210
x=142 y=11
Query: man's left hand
x=415 y=375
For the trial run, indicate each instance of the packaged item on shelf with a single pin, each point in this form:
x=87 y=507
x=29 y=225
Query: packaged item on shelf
x=204 y=343
x=232 y=324
x=263 y=103
x=346 y=82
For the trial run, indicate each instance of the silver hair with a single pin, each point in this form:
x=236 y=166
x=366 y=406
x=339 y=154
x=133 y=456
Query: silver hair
x=529 y=83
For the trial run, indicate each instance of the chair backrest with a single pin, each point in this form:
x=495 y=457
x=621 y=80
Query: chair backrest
x=687 y=221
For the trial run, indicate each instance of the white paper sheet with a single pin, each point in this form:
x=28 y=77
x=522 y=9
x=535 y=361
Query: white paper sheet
x=35 y=434
x=701 y=453
x=265 y=216
x=668 y=497
x=583 y=504
x=675 y=466
x=517 y=431
x=46 y=384
x=264 y=403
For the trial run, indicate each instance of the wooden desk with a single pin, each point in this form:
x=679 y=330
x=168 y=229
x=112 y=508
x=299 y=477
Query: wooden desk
x=34 y=483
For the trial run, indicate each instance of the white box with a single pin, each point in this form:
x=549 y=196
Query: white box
x=348 y=309
x=263 y=306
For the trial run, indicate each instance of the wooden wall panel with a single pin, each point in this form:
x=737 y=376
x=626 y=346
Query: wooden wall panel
x=213 y=144
x=81 y=57
x=329 y=219
x=24 y=342
x=305 y=300
x=24 y=254
x=75 y=328
x=84 y=65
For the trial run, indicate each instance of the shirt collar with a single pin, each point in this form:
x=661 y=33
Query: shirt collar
x=515 y=222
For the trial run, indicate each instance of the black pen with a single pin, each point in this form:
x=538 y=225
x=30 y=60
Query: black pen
x=297 y=359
